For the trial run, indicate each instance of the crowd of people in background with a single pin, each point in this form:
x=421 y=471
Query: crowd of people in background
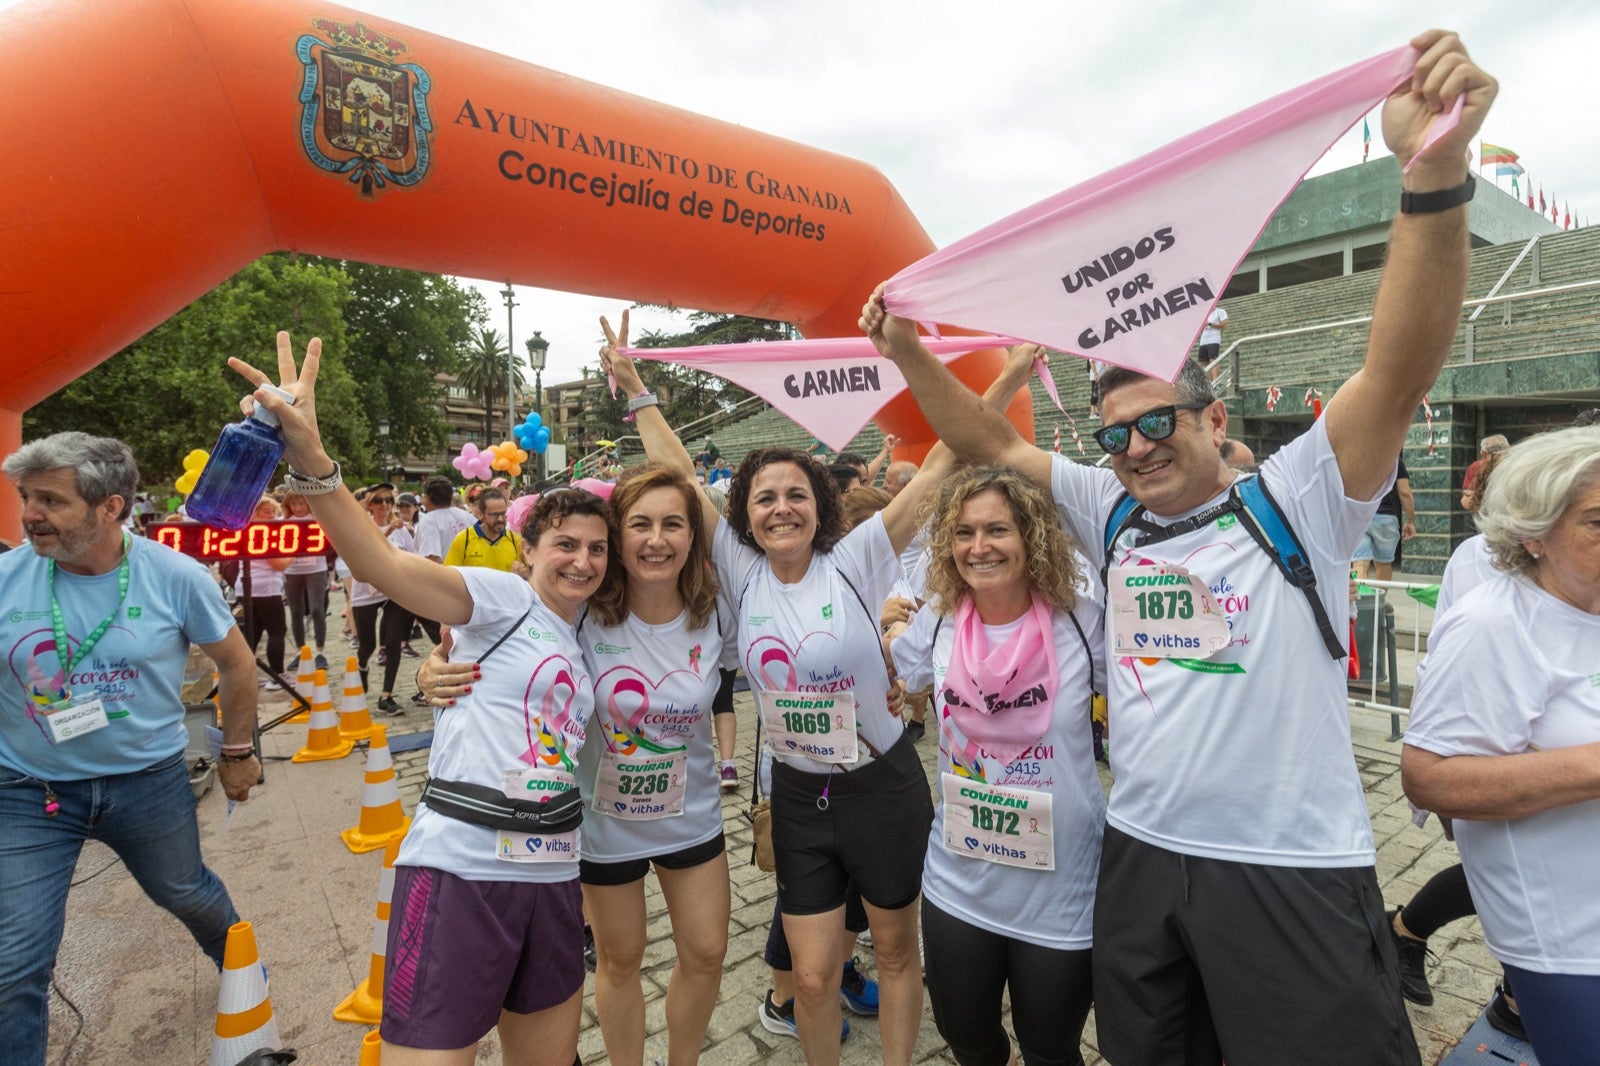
x=1220 y=904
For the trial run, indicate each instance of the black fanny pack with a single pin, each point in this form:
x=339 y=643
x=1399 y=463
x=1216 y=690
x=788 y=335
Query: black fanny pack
x=481 y=805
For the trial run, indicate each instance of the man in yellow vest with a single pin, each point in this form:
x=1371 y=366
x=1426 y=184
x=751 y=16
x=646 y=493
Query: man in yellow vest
x=486 y=542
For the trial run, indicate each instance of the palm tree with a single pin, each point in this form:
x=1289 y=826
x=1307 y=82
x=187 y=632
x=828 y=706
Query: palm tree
x=485 y=368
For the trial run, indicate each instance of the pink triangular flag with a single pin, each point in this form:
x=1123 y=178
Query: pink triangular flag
x=1125 y=267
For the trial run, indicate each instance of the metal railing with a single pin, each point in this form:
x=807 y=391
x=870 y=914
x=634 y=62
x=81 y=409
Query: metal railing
x=1384 y=651
x=1233 y=354
x=685 y=431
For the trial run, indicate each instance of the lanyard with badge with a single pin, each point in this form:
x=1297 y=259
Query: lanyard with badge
x=71 y=716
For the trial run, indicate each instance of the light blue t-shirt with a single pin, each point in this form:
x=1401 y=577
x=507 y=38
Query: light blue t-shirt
x=136 y=667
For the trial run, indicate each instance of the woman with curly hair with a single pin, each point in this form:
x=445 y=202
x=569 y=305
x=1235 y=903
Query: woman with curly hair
x=1008 y=885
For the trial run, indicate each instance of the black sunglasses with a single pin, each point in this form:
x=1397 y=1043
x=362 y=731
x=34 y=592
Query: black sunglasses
x=1155 y=424
x=387 y=499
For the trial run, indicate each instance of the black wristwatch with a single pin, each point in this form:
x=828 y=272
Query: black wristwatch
x=1426 y=203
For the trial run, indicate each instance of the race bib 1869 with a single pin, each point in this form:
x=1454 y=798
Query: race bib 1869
x=815 y=725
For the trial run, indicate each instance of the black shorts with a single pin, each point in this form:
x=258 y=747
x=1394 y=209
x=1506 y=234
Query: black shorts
x=1208 y=353
x=722 y=702
x=628 y=871
x=1196 y=959
x=873 y=832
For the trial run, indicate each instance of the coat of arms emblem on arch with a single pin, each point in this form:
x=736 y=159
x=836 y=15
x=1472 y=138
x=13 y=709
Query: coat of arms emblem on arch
x=362 y=113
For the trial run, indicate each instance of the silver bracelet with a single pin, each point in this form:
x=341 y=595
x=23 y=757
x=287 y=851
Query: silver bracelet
x=647 y=400
x=306 y=485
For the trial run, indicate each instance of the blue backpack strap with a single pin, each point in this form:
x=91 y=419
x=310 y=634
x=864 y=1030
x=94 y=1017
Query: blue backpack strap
x=1122 y=515
x=1264 y=519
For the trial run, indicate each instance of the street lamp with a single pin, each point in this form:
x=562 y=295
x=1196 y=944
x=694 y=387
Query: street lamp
x=383 y=449
x=509 y=295
x=538 y=352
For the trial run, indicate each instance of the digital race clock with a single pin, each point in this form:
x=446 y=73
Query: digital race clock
x=258 y=540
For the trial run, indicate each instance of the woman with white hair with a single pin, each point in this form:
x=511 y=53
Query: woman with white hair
x=1505 y=736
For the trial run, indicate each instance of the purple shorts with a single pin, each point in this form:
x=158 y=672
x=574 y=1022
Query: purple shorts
x=460 y=952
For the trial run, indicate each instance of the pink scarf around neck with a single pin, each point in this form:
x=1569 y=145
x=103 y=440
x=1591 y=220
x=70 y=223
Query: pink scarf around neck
x=1002 y=698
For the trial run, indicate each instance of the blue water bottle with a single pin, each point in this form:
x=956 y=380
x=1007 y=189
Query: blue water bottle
x=246 y=455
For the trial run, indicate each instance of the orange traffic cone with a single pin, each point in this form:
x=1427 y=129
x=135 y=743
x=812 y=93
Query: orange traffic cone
x=305 y=681
x=244 y=1013
x=371 y=1045
x=322 y=739
x=354 y=721
x=365 y=1004
x=382 y=818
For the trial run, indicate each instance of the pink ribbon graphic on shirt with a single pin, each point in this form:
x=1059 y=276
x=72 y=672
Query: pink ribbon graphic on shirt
x=547 y=731
x=625 y=687
x=767 y=653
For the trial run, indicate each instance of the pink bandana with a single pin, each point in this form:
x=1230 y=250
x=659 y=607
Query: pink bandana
x=1002 y=698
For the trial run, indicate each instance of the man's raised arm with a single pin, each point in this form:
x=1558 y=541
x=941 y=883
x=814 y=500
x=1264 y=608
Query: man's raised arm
x=1425 y=277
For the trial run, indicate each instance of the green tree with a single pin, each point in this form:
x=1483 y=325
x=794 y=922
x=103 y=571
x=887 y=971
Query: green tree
x=171 y=391
x=406 y=329
x=485 y=369
x=696 y=393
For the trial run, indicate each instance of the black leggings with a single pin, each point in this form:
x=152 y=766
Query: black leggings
x=266 y=617
x=394 y=627
x=967 y=971
x=1439 y=902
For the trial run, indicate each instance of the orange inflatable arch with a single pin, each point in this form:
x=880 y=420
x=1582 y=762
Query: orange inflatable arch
x=155 y=147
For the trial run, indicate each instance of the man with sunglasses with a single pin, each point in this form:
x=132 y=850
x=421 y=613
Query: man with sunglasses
x=1238 y=911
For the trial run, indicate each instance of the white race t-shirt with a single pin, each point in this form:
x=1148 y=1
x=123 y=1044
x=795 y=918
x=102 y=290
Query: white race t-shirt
x=1050 y=908
x=266 y=580
x=1470 y=565
x=1211 y=334
x=1244 y=756
x=531 y=707
x=816 y=635
x=363 y=594
x=436 y=529
x=1512 y=669
x=653 y=690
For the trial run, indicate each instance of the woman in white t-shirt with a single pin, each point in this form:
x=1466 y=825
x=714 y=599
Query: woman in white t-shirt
x=652 y=642
x=305 y=589
x=1505 y=736
x=1008 y=885
x=488 y=930
x=847 y=777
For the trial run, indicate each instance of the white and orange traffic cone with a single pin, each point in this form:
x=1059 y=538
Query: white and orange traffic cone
x=322 y=739
x=365 y=1004
x=355 y=723
x=244 y=1013
x=371 y=1048
x=305 y=682
x=382 y=818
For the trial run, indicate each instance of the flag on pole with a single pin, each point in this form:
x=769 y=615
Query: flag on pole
x=1493 y=153
x=1567 y=222
x=1058 y=441
x=1507 y=170
x=1541 y=200
x=1366 y=139
x=1515 y=192
x=1554 y=215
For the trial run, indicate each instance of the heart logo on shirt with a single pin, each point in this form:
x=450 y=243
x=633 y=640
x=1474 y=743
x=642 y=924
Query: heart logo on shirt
x=772 y=662
x=534 y=844
x=619 y=805
x=552 y=689
x=972 y=843
x=624 y=692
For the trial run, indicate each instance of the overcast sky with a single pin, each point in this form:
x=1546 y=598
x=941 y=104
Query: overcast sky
x=976 y=109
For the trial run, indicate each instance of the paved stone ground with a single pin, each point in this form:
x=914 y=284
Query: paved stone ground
x=146 y=994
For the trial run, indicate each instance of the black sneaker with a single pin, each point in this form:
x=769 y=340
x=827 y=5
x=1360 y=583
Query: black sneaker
x=1504 y=1017
x=917 y=730
x=1413 y=956
x=388 y=705
x=590 y=961
x=779 y=1018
